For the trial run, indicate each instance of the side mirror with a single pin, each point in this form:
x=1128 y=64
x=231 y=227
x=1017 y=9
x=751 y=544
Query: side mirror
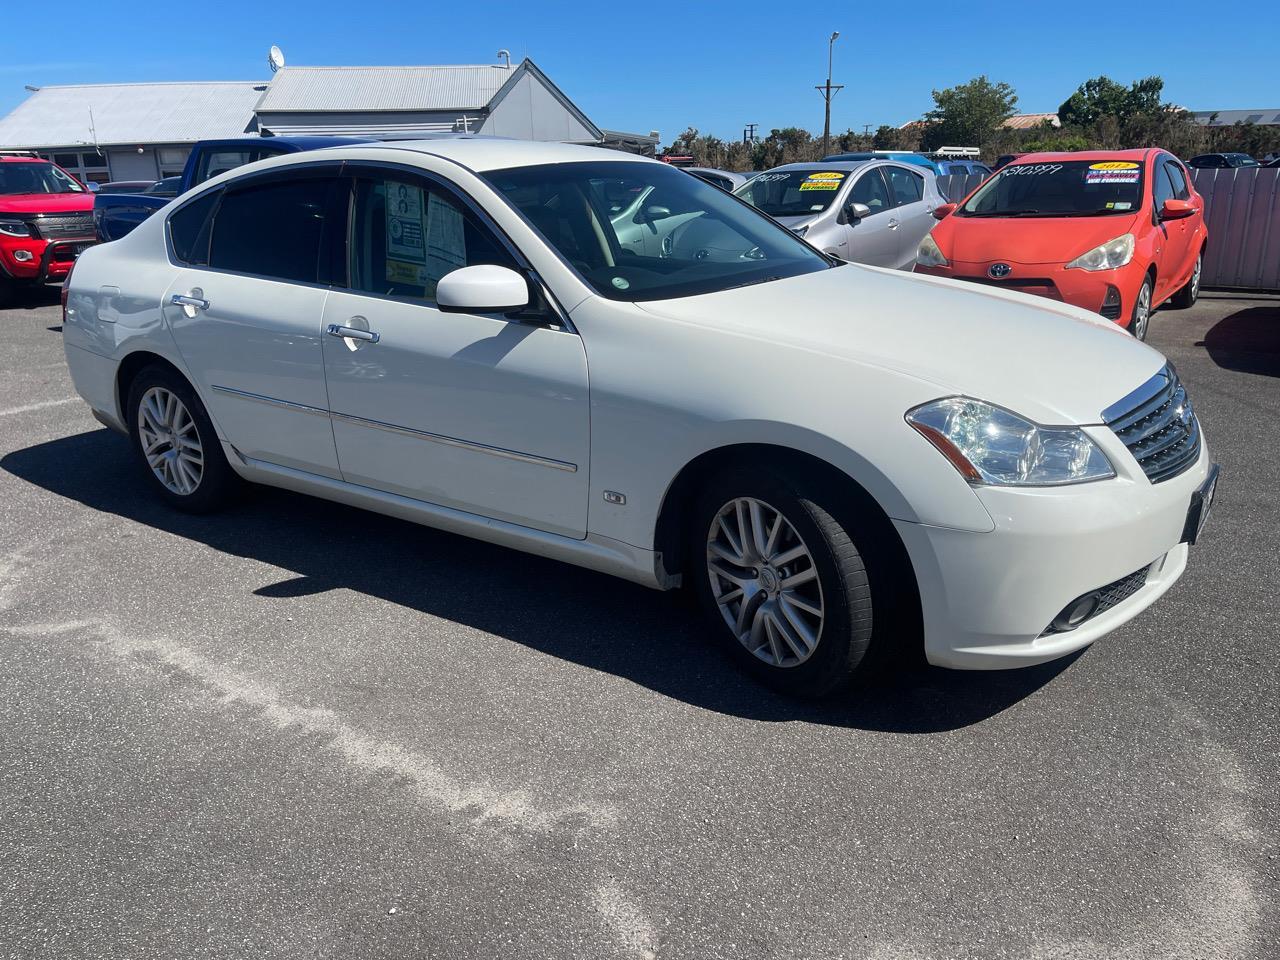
x=1176 y=209
x=858 y=210
x=652 y=214
x=485 y=288
x=91 y=186
x=944 y=210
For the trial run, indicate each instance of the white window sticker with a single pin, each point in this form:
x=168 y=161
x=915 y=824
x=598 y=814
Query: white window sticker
x=406 y=243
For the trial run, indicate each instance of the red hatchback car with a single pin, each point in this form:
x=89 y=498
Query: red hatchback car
x=1114 y=232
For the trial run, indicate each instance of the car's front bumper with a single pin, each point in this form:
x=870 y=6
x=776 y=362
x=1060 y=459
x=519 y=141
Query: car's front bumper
x=1087 y=289
x=45 y=261
x=988 y=599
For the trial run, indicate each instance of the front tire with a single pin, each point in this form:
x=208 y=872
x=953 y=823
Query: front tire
x=176 y=444
x=795 y=588
x=1140 y=318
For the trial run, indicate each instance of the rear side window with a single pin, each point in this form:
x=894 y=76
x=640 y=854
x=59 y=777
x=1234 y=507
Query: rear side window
x=189 y=229
x=908 y=187
x=272 y=230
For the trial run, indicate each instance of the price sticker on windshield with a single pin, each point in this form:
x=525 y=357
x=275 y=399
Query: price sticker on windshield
x=823 y=181
x=1113 y=171
x=1031 y=169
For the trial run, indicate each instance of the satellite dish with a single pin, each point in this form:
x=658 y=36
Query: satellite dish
x=275 y=58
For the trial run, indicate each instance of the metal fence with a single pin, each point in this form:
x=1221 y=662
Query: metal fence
x=1242 y=210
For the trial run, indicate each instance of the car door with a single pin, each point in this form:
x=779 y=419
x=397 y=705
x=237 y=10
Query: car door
x=871 y=239
x=245 y=310
x=912 y=211
x=1178 y=238
x=479 y=412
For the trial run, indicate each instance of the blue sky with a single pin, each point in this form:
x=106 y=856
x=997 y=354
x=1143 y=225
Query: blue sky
x=664 y=66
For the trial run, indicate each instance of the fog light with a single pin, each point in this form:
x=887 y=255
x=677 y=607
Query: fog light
x=1111 y=304
x=1075 y=613
x=23 y=256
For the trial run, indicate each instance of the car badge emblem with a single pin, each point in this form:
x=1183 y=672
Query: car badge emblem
x=998 y=271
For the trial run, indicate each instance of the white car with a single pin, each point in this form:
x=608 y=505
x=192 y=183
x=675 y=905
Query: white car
x=841 y=461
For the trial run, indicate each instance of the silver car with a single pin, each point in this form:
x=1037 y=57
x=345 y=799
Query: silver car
x=868 y=211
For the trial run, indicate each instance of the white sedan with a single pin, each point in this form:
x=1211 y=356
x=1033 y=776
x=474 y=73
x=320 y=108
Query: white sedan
x=841 y=461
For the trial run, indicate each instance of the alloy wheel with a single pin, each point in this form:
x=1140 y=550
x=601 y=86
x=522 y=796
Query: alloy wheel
x=1195 y=278
x=1142 y=312
x=170 y=441
x=765 y=582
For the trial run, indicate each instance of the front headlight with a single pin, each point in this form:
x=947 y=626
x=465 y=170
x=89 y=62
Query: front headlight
x=990 y=445
x=14 y=228
x=929 y=255
x=1110 y=255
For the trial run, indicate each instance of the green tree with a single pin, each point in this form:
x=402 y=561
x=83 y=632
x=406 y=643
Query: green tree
x=1103 y=97
x=968 y=114
x=898 y=138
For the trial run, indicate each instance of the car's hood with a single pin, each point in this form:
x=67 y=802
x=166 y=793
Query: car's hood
x=46 y=202
x=1048 y=361
x=1026 y=239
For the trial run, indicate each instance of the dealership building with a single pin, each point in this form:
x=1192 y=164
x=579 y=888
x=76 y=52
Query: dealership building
x=144 y=131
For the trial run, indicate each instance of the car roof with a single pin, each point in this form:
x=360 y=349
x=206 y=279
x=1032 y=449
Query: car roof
x=1136 y=155
x=498 y=153
x=823 y=165
x=4 y=159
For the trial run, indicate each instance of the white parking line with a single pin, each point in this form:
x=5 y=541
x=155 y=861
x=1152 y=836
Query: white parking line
x=38 y=406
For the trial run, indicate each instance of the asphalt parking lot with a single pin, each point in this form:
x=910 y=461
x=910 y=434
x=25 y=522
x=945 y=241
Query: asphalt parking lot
x=299 y=730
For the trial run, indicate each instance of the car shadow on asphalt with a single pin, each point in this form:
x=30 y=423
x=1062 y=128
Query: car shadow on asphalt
x=652 y=639
x=1247 y=341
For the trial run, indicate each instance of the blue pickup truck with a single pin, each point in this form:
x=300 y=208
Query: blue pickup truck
x=116 y=214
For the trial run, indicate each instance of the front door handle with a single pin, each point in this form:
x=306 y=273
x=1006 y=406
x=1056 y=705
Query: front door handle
x=893 y=224
x=352 y=333
x=183 y=300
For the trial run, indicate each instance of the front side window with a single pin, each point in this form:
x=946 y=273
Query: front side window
x=272 y=230
x=35 y=177
x=1162 y=188
x=793 y=193
x=690 y=238
x=872 y=190
x=1061 y=188
x=1178 y=178
x=406 y=234
x=908 y=187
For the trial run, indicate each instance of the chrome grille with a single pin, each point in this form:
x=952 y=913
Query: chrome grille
x=61 y=228
x=1157 y=424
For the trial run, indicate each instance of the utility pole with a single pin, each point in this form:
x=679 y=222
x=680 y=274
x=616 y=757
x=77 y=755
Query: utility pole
x=828 y=91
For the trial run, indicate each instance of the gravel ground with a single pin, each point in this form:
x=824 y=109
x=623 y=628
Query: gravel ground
x=299 y=730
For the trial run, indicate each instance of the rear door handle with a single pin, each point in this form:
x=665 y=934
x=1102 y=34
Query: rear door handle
x=351 y=333
x=182 y=300
x=893 y=224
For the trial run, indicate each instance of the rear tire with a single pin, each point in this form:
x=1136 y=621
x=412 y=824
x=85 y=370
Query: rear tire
x=175 y=443
x=1140 y=317
x=1190 y=293
x=797 y=587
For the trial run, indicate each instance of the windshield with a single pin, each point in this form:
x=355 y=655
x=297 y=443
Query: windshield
x=1069 y=188
x=647 y=231
x=793 y=193
x=35 y=178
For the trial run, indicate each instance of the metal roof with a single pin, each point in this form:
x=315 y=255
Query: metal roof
x=126 y=113
x=1225 y=118
x=363 y=89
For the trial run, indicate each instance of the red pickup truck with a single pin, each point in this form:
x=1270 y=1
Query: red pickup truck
x=46 y=219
